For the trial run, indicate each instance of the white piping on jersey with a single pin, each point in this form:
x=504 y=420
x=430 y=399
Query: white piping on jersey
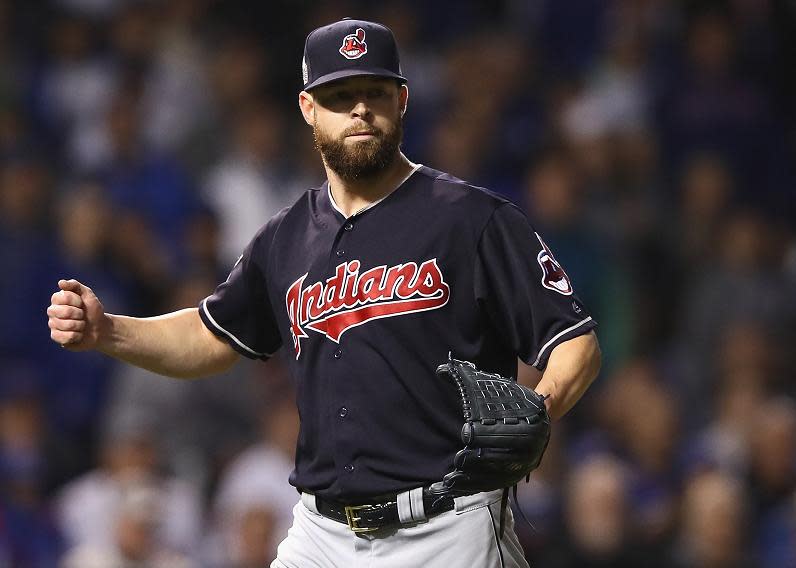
x=415 y=167
x=228 y=334
x=556 y=336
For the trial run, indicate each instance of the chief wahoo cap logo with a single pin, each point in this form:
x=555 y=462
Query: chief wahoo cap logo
x=354 y=45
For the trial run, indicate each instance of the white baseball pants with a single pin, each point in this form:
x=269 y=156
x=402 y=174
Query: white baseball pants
x=464 y=537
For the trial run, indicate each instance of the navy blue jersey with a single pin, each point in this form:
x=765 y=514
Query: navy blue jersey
x=369 y=306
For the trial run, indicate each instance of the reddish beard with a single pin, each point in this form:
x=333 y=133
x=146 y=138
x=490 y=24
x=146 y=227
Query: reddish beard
x=364 y=158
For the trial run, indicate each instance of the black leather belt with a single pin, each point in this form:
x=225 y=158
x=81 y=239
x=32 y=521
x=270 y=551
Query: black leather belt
x=375 y=516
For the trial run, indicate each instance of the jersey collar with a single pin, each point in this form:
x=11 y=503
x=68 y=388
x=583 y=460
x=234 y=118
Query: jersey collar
x=415 y=167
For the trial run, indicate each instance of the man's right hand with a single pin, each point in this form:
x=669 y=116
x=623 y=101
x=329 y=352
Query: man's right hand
x=76 y=316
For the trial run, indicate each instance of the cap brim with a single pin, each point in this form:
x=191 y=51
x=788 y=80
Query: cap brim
x=354 y=72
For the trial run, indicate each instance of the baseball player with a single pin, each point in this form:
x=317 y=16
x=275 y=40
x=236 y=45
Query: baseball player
x=371 y=281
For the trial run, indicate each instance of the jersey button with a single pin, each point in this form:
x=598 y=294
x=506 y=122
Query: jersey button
x=338 y=353
x=349 y=467
x=348 y=226
x=340 y=253
x=343 y=412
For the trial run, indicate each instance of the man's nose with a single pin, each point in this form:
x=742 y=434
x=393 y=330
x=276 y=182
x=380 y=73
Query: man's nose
x=361 y=109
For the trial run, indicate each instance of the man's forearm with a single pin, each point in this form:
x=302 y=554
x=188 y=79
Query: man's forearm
x=572 y=367
x=176 y=344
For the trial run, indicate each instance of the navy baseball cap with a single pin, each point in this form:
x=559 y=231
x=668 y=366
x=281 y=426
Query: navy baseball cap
x=349 y=48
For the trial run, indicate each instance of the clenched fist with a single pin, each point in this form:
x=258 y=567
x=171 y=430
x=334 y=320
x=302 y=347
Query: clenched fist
x=76 y=316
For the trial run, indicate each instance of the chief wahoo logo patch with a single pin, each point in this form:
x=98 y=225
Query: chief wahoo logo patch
x=354 y=45
x=553 y=276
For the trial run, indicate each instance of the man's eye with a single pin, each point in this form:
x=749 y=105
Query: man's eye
x=376 y=93
x=342 y=96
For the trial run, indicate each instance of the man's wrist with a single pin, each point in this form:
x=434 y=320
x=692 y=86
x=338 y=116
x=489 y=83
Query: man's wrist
x=106 y=331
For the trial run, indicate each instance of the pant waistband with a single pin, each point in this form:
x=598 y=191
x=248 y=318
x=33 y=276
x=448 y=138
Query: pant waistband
x=411 y=506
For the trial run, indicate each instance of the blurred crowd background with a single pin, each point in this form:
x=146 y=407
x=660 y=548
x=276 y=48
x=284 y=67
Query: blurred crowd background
x=653 y=143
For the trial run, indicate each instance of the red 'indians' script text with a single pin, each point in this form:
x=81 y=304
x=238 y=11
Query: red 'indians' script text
x=349 y=299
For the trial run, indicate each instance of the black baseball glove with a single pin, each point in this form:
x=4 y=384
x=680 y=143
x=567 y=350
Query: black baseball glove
x=505 y=433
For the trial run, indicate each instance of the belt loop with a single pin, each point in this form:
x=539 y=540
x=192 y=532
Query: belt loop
x=404 y=507
x=416 y=502
x=308 y=500
x=410 y=506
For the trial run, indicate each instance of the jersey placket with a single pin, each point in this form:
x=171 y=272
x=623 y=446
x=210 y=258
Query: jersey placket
x=345 y=419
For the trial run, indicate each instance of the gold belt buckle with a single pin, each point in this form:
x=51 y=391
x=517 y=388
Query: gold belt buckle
x=353 y=519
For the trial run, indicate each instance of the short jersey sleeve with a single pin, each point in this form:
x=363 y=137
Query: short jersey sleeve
x=526 y=293
x=239 y=310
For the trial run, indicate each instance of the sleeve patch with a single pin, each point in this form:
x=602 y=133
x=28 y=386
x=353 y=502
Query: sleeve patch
x=553 y=276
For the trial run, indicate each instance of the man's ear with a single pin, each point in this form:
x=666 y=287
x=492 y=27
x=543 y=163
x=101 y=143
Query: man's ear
x=403 y=98
x=307 y=107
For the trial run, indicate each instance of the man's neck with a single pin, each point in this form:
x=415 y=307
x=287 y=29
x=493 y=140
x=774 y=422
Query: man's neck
x=351 y=196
